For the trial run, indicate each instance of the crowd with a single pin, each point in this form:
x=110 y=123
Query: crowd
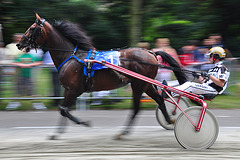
x=210 y=54
x=24 y=66
x=194 y=53
x=24 y=71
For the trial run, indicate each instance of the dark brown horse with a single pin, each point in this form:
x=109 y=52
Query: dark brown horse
x=64 y=39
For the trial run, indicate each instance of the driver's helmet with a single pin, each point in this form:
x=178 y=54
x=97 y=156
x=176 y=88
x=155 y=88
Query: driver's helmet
x=217 y=51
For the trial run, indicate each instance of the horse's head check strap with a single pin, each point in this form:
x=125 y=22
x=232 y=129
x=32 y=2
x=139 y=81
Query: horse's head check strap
x=40 y=23
x=75 y=50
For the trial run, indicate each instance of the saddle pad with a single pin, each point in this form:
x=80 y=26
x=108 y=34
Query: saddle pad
x=109 y=56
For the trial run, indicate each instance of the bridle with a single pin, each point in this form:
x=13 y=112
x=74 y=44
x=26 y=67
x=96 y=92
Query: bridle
x=33 y=34
x=30 y=40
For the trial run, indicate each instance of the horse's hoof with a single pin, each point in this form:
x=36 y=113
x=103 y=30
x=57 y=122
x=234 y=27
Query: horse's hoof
x=53 y=137
x=87 y=123
x=173 y=121
x=118 y=137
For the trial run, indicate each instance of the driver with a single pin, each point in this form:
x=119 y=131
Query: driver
x=214 y=81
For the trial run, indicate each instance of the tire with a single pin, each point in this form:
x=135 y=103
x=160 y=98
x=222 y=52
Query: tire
x=186 y=134
x=170 y=108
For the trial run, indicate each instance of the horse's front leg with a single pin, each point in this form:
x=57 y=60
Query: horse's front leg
x=69 y=99
x=65 y=112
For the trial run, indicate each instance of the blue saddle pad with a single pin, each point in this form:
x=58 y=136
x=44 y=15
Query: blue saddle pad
x=109 y=56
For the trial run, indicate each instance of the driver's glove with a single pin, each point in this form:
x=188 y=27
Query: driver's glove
x=195 y=75
x=205 y=74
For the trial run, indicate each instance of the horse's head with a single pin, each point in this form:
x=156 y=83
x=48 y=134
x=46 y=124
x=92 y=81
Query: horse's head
x=33 y=37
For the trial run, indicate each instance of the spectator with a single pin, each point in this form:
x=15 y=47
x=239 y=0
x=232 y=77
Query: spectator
x=144 y=45
x=163 y=44
x=12 y=53
x=189 y=52
x=218 y=41
x=3 y=56
x=2 y=61
x=199 y=52
x=36 y=71
x=12 y=50
x=99 y=95
x=203 y=50
x=47 y=60
x=25 y=62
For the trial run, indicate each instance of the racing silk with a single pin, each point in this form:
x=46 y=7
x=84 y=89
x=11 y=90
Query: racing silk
x=221 y=72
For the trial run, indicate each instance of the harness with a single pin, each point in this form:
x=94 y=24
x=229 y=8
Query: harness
x=72 y=56
x=34 y=32
x=88 y=72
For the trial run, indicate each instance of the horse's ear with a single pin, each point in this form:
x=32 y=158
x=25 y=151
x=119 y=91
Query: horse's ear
x=38 y=17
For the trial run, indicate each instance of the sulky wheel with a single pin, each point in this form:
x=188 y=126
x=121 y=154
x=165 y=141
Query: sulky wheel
x=186 y=134
x=184 y=104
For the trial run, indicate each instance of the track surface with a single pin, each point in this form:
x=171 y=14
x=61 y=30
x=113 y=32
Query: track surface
x=24 y=136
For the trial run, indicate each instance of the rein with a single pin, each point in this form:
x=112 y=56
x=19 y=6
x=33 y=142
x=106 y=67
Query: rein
x=160 y=65
x=31 y=39
x=62 y=50
x=124 y=59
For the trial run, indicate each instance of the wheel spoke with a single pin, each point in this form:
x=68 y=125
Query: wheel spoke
x=186 y=134
x=183 y=103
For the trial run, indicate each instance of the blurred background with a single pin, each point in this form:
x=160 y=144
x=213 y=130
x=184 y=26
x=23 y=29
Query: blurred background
x=189 y=27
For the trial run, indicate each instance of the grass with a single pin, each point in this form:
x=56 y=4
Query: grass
x=225 y=102
x=229 y=100
x=42 y=88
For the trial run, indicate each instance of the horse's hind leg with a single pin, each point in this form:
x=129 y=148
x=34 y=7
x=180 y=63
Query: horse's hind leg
x=137 y=93
x=152 y=92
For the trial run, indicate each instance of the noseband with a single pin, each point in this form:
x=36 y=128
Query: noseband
x=34 y=32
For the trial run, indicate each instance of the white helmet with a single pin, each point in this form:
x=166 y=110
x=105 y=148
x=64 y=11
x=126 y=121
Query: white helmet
x=217 y=51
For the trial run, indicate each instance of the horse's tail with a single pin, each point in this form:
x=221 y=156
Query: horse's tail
x=166 y=58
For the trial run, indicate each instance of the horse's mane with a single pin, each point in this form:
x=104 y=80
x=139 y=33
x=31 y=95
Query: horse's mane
x=74 y=33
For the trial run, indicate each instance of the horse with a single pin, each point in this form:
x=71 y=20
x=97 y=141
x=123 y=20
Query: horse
x=69 y=45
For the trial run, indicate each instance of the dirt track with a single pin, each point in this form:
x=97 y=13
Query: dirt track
x=97 y=143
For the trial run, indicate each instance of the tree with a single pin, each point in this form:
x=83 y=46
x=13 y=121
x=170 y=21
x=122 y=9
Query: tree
x=114 y=24
x=135 y=22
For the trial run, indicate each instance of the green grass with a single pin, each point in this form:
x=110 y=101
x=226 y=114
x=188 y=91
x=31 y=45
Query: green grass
x=43 y=88
x=229 y=100
x=225 y=102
